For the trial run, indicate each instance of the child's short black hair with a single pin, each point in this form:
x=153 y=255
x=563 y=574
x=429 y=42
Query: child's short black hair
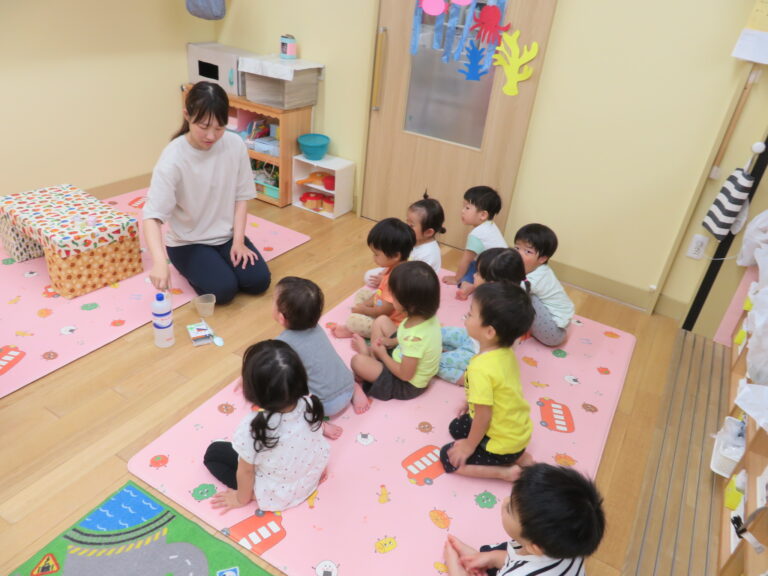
x=300 y=301
x=507 y=308
x=501 y=265
x=542 y=238
x=392 y=236
x=434 y=217
x=559 y=510
x=416 y=287
x=484 y=198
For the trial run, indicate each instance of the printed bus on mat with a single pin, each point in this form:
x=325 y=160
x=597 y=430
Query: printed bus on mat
x=424 y=465
x=258 y=533
x=9 y=357
x=555 y=416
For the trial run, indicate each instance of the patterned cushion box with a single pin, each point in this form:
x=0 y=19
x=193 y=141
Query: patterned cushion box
x=87 y=244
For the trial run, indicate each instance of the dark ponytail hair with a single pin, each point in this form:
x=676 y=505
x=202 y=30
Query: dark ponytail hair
x=502 y=265
x=205 y=100
x=274 y=379
x=434 y=217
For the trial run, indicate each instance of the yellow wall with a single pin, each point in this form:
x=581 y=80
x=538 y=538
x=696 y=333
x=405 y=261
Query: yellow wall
x=90 y=88
x=631 y=102
x=338 y=33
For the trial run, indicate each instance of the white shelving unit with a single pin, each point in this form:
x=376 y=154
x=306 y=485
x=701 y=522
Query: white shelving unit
x=344 y=173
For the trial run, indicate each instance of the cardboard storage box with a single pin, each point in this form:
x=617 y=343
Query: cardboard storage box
x=217 y=63
x=279 y=83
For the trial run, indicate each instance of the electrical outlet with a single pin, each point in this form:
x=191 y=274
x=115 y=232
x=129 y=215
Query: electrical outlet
x=697 y=246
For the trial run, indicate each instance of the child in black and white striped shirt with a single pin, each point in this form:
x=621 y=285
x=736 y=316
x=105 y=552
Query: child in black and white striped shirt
x=554 y=518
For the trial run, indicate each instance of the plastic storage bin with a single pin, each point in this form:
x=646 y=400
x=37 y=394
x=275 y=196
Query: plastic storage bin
x=314 y=146
x=729 y=447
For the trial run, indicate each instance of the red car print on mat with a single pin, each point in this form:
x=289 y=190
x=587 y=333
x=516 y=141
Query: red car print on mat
x=424 y=465
x=555 y=416
x=9 y=357
x=258 y=533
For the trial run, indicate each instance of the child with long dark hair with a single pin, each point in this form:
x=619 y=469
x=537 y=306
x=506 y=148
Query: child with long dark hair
x=407 y=373
x=200 y=187
x=278 y=454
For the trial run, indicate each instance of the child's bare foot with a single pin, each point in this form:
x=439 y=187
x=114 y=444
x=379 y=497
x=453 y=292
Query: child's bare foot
x=323 y=476
x=332 y=431
x=525 y=460
x=360 y=402
x=511 y=473
x=341 y=331
x=359 y=345
x=460 y=295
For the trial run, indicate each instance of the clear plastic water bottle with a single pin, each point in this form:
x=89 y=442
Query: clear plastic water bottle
x=162 y=321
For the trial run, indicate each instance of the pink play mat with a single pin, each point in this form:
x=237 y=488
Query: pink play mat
x=43 y=331
x=387 y=505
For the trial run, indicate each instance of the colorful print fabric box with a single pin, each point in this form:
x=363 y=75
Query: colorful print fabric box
x=67 y=220
x=87 y=244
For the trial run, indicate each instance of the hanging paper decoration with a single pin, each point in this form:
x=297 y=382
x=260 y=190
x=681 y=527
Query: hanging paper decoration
x=437 y=37
x=433 y=7
x=508 y=56
x=488 y=25
x=418 y=14
x=474 y=66
x=450 y=33
x=465 y=31
x=462 y=2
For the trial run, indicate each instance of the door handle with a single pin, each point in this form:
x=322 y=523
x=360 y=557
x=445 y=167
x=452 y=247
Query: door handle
x=378 y=63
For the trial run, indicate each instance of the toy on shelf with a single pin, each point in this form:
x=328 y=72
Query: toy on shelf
x=312 y=201
x=316 y=178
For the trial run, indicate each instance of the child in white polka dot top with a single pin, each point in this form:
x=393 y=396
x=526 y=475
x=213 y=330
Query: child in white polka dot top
x=278 y=454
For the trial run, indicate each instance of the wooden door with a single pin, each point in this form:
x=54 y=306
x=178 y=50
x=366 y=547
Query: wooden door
x=402 y=163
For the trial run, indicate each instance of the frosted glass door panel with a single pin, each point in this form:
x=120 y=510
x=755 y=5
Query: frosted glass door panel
x=442 y=102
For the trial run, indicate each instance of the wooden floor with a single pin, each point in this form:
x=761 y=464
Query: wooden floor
x=67 y=437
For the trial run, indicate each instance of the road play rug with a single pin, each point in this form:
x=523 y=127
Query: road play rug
x=387 y=505
x=41 y=331
x=133 y=533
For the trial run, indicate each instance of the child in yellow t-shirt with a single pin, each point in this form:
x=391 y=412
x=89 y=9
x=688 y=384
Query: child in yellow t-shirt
x=494 y=427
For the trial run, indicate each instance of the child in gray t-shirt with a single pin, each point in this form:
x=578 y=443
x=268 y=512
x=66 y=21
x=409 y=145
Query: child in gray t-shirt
x=297 y=306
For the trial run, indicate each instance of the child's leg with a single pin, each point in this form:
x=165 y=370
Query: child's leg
x=334 y=408
x=221 y=460
x=366 y=368
x=467 y=282
x=382 y=329
x=544 y=328
x=459 y=350
x=356 y=323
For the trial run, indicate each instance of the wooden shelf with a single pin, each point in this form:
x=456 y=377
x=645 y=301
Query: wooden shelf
x=743 y=560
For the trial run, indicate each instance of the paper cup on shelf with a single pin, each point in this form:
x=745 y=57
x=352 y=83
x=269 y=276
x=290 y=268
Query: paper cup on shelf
x=204 y=304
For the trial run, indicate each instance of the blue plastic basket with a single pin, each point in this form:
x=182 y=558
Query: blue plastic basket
x=314 y=146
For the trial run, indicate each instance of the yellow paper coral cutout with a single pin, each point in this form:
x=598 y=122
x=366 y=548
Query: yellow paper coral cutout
x=514 y=64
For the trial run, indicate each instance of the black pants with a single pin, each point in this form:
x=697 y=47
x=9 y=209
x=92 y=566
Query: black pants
x=209 y=270
x=459 y=429
x=221 y=460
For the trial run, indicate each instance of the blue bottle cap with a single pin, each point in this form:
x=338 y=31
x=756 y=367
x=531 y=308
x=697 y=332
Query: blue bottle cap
x=159 y=296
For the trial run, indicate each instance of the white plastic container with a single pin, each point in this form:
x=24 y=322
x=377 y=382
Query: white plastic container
x=729 y=447
x=162 y=321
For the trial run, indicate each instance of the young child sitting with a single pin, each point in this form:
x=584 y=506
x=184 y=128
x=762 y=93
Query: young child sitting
x=494 y=427
x=554 y=310
x=278 y=455
x=391 y=241
x=494 y=265
x=481 y=204
x=426 y=218
x=554 y=517
x=297 y=307
x=407 y=373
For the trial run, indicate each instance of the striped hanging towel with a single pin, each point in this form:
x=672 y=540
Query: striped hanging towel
x=728 y=203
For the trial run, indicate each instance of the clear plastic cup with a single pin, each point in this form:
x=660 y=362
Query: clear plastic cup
x=204 y=304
